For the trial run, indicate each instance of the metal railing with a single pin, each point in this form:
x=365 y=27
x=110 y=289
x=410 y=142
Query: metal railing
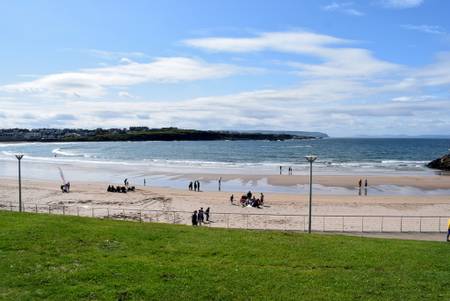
x=261 y=221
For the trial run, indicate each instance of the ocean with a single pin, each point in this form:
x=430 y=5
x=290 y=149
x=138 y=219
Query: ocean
x=170 y=163
x=335 y=155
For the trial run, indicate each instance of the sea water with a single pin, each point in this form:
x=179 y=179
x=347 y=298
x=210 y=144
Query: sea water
x=111 y=161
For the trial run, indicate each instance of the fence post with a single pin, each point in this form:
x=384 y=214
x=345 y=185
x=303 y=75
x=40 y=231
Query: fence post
x=420 y=224
x=108 y=211
x=49 y=209
x=439 y=225
x=228 y=220
x=401 y=224
x=323 y=223
x=343 y=224
x=382 y=223
x=10 y=206
x=140 y=216
x=64 y=210
x=362 y=224
x=174 y=217
x=247 y=220
x=78 y=211
x=92 y=211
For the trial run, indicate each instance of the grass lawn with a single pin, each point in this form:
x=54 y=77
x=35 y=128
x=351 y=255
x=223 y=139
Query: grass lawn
x=72 y=258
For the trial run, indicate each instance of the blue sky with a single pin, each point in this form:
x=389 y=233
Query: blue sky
x=347 y=68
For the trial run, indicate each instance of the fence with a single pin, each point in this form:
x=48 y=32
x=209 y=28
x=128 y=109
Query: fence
x=262 y=221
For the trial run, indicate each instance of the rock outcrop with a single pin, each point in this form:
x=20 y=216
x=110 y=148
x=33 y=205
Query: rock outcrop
x=442 y=163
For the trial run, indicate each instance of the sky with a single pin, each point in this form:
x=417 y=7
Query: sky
x=346 y=68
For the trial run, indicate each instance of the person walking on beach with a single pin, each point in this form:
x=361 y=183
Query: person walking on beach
x=198 y=186
x=360 y=183
x=281 y=169
x=220 y=183
x=144 y=182
x=125 y=182
x=232 y=199
x=190 y=186
x=194 y=219
x=262 y=199
x=365 y=187
x=207 y=214
x=200 y=216
x=195 y=185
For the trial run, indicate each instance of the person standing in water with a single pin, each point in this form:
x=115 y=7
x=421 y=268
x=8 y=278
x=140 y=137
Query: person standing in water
x=365 y=187
x=220 y=183
x=281 y=169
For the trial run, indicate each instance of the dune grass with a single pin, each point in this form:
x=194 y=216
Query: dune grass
x=72 y=258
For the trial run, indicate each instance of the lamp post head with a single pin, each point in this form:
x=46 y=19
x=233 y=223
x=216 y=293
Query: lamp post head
x=310 y=158
x=19 y=156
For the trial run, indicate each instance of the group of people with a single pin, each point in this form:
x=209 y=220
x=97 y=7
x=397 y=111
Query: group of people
x=290 y=170
x=360 y=184
x=195 y=186
x=65 y=188
x=200 y=217
x=122 y=189
x=249 y=200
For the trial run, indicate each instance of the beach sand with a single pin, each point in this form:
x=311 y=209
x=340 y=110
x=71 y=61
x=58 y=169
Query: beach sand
x=281 y=210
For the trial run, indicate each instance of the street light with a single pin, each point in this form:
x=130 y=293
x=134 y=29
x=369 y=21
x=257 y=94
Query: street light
x=19 y=157
x=310 y=159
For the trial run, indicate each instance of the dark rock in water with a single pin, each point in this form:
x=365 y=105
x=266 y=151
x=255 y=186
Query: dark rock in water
x=442 y=163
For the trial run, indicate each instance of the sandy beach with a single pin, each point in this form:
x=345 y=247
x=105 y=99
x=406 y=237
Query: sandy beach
x=281 y=210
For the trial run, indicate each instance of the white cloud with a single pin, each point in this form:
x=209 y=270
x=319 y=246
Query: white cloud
x=296 y=42
x=93 y=82
x=401 y=4
x=430 y=29
x=337 y=61
x=436 y=74
x=343 y=7
x=125 y=94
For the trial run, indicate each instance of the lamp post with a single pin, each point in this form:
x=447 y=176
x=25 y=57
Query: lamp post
x=19 y=157
x=310 y=159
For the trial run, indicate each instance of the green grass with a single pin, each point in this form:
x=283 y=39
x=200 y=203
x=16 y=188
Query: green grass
x=71 y=258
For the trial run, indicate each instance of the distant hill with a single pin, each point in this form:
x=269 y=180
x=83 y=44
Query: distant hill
x=136 y=134
x=293 y=133
x=405 y=136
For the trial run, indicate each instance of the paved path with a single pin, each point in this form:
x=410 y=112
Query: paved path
x=407 y=236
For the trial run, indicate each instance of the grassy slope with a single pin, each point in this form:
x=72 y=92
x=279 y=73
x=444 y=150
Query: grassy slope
x=52 y=257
